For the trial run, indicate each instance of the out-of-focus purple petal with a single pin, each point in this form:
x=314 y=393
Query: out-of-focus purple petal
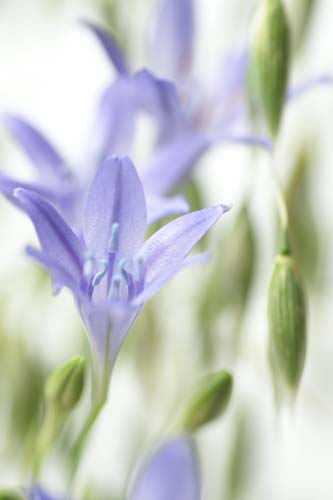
x=159 y=207
x=172 y=38
x=63 y=199
x=8 y=186
x=60 y=275
x=38 y=149
x=113 y=127
x=172 y=473
x=109 y=45
x=228 y=95
x=160 y=99
x=245 y=140
x=308 y=85
x=169 y=246
x=172 y=162
x=58 y=241
x=35 y=492
x=115 y=197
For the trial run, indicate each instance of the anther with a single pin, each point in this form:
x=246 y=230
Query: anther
x=89 y=262
x=114 y=238
x=100 y=274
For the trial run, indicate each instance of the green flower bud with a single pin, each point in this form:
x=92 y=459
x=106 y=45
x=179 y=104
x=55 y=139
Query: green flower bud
x=12 y=495
x=208 y=402
x=269 y=63
x=65 y=385
x=287 y=324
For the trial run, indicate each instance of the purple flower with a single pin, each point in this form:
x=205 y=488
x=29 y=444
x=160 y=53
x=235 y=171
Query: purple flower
x=36 y=492
x=112 y=132
x=171 y=473
x=110 y=270
x=191 y=117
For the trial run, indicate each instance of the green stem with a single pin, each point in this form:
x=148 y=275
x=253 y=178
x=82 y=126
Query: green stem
x=281 y=206
x=96 y=409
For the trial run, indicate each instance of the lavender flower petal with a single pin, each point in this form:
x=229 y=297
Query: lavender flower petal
x=115 y=197
x=160 y=281
x=159 y=207
x=113 y=126
x=58 y=241
x=172 y=162
x=101 y=320
x=171 y=473
x=172 y=38
x=60 y=275
x=169 y=246
x=9 y=184
x=109 y=45
x=37 y=148
x=160 y=99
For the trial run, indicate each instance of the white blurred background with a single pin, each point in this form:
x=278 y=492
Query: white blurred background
x=52 y=72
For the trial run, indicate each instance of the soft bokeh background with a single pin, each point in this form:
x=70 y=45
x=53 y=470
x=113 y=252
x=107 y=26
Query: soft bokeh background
x=52 y=72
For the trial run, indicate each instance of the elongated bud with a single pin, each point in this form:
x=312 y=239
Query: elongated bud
x=269 y=61
x=287 y=325
x=12 y=495
x=65 y=385
x=62 y=392
x=208 y=402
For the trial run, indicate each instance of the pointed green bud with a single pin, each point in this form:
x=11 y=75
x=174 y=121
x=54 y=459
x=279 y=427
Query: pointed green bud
x=65 y=385
x=12 y=495
x=287 y=325
x=208 y=402
x=269 y=61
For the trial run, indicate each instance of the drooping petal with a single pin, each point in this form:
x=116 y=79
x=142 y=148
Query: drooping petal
x=159 y=207
x=172 y=38
x=172 y=163
x=171 y=473
x=58 y=241
x=169 y=246
x=38 y=149
x=115 y=197
x=109 y=45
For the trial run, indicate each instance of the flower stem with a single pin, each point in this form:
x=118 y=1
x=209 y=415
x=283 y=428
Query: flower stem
x=97 y=406
x=281 y=206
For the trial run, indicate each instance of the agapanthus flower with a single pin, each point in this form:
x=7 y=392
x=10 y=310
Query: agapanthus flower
x=172 y=472
x=110 y=270
x=210 y=112
x=66 y=187
x=189 y=121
